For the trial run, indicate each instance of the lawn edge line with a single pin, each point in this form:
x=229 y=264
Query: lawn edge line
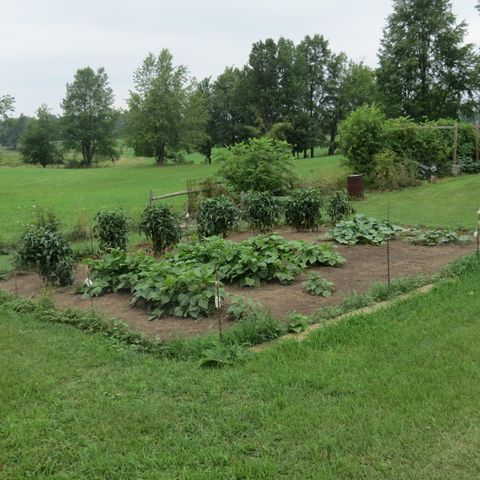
x=367 y=310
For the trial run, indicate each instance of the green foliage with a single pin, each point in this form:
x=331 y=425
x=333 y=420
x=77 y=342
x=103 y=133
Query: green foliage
x=258 y=259
x=469 y=165
x=389 y=174
x=47 y=219
x=262 y=210
x=164 y=114
x=362 y=229
x=259 y=165
x=338 y=206
x=316 y=285
x=216 y=216
x=362 y=136
x=159 y=224
x=223 y=355
x=37 y=141
x=111 y=229
x=164 y=288
x=184 y=282
x=425 y=68
x=302 y=209
x=254 y=329
x=297 y=323
x=88 y=116
x=241 y=307
x=436 y=236
x=47 y=252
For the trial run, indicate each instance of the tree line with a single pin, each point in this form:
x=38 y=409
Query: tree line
x=294 y=92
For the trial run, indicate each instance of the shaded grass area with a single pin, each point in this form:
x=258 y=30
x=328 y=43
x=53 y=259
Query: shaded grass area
x=452 y=203
x=388 y=395
x=73 y=193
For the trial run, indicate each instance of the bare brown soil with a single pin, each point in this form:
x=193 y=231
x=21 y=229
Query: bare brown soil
x=365 y=265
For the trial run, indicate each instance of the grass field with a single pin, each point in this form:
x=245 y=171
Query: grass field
x=70 y=192
x=451 y=202
x=388 y=395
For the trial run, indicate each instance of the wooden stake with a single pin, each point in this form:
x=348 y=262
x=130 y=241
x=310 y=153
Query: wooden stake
x=455 y=143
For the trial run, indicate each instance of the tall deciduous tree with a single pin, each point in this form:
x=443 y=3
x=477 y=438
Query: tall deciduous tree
x=425 y=69
x=89 y=116
x=164 y=114
x=314 y=60
x=6 y=105
x=37 y=142
x=350 y=86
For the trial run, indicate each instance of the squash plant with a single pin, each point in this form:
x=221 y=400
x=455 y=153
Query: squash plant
x=362 y=229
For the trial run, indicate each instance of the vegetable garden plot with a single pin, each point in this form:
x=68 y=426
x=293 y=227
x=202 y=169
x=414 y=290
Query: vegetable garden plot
x=365 y=265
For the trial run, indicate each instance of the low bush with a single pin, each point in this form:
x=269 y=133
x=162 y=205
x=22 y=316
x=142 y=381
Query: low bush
x=469 y=165
x=338 y=206
x=216 y=216
x=316 y=285
x=111 y=229
x=241 y=307
x=262 y=211
x=159 y=224
x=389 y=173
x=436 y=236
x=48 y=253
x=302 y=210
x=362 y=229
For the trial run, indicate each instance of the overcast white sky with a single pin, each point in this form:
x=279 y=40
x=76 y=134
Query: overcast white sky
x=43 y=42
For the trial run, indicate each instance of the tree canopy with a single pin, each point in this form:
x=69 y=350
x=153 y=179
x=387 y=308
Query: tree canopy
x=425 y=68
x=88 y=115
x=165 y=114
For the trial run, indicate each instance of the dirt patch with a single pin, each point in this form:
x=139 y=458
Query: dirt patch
x=365 y=265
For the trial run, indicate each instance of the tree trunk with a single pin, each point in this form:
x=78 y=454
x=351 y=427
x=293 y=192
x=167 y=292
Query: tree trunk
x=312 y=151
x=304 y=153
x=160 y=156
x=333 y=138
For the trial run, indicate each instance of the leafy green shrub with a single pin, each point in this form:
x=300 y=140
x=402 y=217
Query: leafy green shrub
x=302 y=210
x=364 y=230
x=362 y=136
x=469 y=165
x=390 y=174
x=241 y=307
x=259 y=165
x=436 y=236
x=217 y=216
x=338 y=206
x=159 y=224
x=111 y=229
x=316 y=285
x=262 y=210
x=48 y=253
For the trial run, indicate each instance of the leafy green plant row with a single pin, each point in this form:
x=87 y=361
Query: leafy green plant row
x=185 y=283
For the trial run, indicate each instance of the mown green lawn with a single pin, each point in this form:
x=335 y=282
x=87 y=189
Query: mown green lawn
x=452 y=202
x=71 y=192
x=393 y=395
